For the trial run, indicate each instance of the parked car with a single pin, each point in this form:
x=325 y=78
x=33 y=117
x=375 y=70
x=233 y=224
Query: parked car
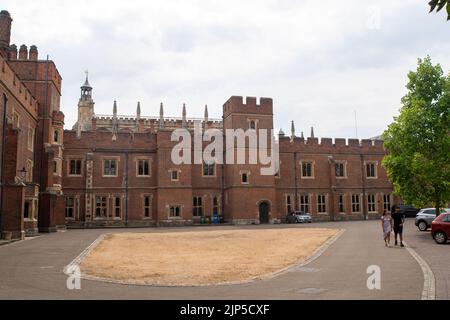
x=426 y=216
x=440 y=228
x=298 y=217
x=408 y=210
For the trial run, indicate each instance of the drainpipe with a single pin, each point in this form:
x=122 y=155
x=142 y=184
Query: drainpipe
x=363 y=183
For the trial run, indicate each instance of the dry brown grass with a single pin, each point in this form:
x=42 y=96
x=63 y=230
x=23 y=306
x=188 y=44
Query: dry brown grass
x=201 y=257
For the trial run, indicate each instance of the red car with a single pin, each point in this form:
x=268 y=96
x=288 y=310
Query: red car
x=440 y=228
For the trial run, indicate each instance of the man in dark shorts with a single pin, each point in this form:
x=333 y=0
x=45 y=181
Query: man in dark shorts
x=399 y=220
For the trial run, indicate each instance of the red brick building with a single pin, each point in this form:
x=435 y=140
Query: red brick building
x=117 y=170
x=31 y=131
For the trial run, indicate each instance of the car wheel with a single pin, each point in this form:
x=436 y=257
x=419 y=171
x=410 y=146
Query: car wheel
x=440 y=237
x=423 y=226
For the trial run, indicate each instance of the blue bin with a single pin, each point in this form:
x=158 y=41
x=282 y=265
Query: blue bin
x=216 y=219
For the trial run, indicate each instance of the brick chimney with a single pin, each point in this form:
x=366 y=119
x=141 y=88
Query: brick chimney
x=23 y=52
x=13 y=52
x=5 y=32
x=33 y=53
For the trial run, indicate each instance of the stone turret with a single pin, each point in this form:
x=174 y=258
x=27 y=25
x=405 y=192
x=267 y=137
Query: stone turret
x=85 y=108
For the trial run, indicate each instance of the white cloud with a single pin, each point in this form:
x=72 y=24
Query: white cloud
x=319 y=60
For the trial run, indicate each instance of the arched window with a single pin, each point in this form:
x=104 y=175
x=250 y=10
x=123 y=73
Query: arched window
x=55 y=136
x=252 y=124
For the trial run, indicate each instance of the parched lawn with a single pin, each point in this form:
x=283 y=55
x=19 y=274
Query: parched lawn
x=201 y=257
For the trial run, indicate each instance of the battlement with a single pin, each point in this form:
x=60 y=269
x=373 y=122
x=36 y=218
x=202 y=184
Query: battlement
x=236 y=104
x=30 y=68
x=9 y=78
x=330 y=145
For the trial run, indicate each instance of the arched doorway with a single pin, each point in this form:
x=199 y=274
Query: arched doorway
x=264 y=212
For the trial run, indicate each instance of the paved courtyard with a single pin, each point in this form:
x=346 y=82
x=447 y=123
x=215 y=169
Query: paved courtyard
x=34 y=269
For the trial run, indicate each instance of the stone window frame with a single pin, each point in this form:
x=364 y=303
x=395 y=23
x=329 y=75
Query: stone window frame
x=324 y=204
x=209 y=176
x=102 y=195
x=114 y=206
x=75 y=158
x=149 y=207
x=353 y=203
x=30 y=139
x=171 y=171
x=344 y=165
x=57 y=135
x=15 y=118
x=58 y=165
x=143 y=158
x=29 y=168
x=241 y=175
x=174 y=205
x=373 y=204
x=197 y=207
x=375 y=164
x=305 y=204
x=255 y=121
x=388 y=207
x=313 y=165
x=105 y=158
x=73 y=207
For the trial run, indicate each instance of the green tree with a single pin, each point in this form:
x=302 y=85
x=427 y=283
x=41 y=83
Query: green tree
x=439 y=4
x=418 y=141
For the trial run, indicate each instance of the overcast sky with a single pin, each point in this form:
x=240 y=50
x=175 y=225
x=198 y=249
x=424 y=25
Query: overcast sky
x=319 y=60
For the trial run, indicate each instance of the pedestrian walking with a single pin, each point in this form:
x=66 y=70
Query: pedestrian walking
x=386 y=225
x=399 y=219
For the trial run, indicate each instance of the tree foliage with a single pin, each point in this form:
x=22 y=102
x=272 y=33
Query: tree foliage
x=418 y=141
x=438 y=5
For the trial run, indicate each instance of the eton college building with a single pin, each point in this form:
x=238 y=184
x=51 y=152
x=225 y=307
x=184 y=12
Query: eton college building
x=114 y=170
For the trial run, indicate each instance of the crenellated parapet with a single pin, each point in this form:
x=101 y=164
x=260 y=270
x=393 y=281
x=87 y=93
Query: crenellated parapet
x=237 y=104
x=329 y=145
x=17 y=87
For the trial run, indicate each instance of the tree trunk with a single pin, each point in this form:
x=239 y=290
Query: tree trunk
x=437 y=203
